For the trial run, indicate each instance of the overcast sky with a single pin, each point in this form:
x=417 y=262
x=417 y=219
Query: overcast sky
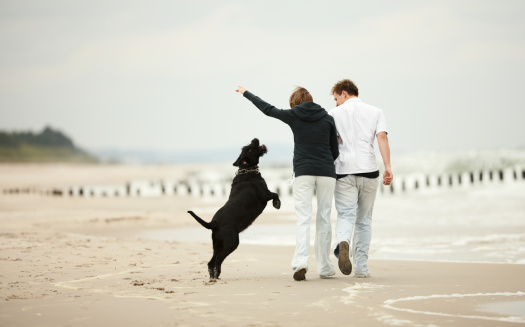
x=161 y=75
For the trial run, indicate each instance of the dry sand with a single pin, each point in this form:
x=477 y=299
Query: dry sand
x=78 y=262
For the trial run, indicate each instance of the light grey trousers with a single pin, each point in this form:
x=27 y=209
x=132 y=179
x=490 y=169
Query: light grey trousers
x=354 y=201
x=303 y=192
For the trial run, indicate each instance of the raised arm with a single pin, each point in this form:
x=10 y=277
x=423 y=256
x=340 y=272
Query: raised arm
x=266 y=108
x=384 y=148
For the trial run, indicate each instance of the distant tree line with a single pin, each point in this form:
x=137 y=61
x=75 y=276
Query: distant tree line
x=49 y=145
x=48 y=137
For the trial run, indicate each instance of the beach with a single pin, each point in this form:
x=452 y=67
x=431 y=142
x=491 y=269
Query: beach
x=452 y=258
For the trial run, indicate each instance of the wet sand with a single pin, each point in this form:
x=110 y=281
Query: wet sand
x=79 y=262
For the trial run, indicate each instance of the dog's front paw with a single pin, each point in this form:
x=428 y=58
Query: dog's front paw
x=277 y=203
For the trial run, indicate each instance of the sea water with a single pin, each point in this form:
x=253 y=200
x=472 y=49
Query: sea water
x=481 y=224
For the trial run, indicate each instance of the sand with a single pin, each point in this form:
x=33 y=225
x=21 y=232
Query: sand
x=79 y=262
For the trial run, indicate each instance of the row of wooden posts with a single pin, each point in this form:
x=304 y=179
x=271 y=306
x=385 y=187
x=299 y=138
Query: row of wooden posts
x=195 y=187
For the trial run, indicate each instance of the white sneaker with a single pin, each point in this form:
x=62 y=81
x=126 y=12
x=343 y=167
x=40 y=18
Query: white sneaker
x=327 y=275
x=366 y=275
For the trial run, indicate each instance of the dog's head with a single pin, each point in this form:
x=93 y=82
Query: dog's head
x=250 y=155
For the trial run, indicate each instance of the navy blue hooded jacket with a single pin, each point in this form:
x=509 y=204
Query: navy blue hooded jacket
x=315 y=136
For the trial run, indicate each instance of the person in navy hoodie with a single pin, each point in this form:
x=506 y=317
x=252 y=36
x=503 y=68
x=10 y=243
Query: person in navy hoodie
x=315 y=150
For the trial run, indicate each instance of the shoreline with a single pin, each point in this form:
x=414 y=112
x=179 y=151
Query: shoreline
x=172 y=234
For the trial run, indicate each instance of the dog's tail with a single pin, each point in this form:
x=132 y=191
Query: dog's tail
x=210 y=225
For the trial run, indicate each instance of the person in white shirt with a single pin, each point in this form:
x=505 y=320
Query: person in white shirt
x=358 y=124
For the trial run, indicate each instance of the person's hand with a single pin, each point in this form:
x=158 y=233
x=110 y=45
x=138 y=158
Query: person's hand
x=387 y=177
x=240 y=89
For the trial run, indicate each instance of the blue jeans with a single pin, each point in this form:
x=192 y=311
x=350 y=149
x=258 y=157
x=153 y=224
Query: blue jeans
x=303 y=191
x=354 y=202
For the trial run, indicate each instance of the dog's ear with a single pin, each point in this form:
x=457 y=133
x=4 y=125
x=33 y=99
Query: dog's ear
x=238 y=161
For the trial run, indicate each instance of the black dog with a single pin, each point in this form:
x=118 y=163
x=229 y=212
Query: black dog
x=248 y=198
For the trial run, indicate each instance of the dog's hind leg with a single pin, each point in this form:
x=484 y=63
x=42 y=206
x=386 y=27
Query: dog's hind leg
x=230 y=244
x=211 y=267
x=217 y=248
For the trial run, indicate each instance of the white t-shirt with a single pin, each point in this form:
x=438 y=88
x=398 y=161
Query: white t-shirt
x=357 y=124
